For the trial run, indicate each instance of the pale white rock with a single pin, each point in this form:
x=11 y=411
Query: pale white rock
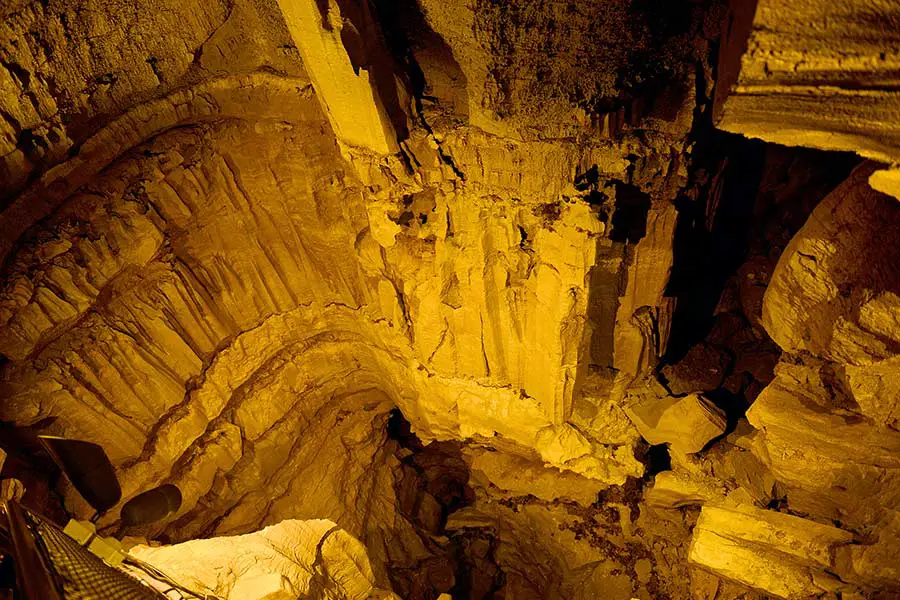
x=265 y=586
x=308 y=559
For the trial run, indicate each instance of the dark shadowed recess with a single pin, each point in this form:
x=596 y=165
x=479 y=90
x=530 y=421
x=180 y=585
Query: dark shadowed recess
x=708 y=251
x=629 y=219
x=418 y=49
x=432 y=484
x=27 y=461
x=745 y=201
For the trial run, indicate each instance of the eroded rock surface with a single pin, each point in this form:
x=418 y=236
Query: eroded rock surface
x=479 y=284
x=293 y=559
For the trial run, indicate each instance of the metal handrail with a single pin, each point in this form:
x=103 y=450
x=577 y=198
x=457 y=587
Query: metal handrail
x=32 y=573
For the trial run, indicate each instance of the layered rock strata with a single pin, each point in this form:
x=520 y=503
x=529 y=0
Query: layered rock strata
x=478 y=284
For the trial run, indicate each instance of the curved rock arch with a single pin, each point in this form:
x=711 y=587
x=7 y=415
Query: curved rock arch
x=260 y=95
x=210 y=239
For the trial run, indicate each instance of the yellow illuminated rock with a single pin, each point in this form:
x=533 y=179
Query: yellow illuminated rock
x=336 y=55
x=305 y=559
x=688 y=423
x=781 y=554
x=471 y=300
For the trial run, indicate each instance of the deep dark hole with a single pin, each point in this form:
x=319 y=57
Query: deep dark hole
x=705 y=259
x=477 y=576
x=399 y=429
x=589 y=178
x=733 y=405
x=596 y=198
x=466 y=567
x=629 y=219
x=658 y=460
x=405 y=218
x=713 y=242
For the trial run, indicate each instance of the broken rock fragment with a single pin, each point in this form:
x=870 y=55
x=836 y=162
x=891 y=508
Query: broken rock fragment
x=686 y=424
x=674 y=489
x=703 y=368
x=783 y=555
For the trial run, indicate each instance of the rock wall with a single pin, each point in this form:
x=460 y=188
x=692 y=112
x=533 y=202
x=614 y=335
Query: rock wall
x=478 y=284
x=815 y=74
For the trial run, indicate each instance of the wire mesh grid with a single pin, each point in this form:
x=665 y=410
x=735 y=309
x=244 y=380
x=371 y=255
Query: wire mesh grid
x=80 y=574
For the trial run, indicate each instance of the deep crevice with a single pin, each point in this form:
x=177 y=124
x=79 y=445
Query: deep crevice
x=432 y=484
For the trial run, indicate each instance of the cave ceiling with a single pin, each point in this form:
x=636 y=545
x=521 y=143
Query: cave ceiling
x=576 y=300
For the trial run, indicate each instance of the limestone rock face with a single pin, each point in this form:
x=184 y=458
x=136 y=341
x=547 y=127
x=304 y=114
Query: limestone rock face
x=802 y=426
x=467 y=297
x=785 y=555
x=521 y=70
x=227 y=262
x=836 y=291
x=824 y=426
x=799 y=86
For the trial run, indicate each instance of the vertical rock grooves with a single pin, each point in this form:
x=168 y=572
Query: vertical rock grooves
x=468 y=299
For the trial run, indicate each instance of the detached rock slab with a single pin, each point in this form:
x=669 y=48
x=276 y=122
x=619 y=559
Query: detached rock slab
x=687 y=424
x=294 y=559
x=835 y=293
x=786 y=556
x=674 y=489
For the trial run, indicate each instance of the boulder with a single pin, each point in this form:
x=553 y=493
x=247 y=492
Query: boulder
x=835 y=463
x=786 y=556
x=703 y=368
x=686 y=424
x=308 y=559
x=835 y=293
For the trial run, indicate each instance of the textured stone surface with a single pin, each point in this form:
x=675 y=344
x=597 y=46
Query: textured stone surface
x=687 y=423
x=703 y=368
x=803 y=425
x=562 y=550
x=69 y=68
x=524 y=66
x=781 y=554
x=339 y=54
x=305 y=559
x=826 y=84
x=228 y=295
x=438 y=272
x=836 y=290
x=520 y=476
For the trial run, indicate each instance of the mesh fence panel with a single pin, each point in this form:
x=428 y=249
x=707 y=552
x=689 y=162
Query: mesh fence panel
x=80 y=574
